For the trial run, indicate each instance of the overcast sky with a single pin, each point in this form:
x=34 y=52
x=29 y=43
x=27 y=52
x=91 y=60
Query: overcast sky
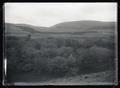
x=48 y=14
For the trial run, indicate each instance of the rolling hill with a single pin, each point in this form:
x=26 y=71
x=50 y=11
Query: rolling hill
x=78 y=26
x=32 y=28
x=73 y=26
x=22 y=28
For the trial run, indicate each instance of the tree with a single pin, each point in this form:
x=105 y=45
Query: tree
x=64 y=51
x=28 y=37
x=96 y=58
x=87 y=43
x=72 y=67
x=60 y=42
x=58 y=66
x=71 y=61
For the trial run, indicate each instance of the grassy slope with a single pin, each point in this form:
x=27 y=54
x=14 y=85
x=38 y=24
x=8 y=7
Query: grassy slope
x=87 y=79
x=99 y=78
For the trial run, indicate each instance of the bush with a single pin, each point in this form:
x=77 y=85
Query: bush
x=96 y=57
x=64 y=51
x=87 y=43
x=106 y=43
x=58 y=66
x=60 y=42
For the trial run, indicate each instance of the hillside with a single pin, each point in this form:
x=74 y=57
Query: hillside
x=73 y=26
x=22 y=28
x=78 y=26
x=32 y=28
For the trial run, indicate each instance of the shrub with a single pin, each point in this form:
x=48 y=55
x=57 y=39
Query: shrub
x=87 y=43
x=58 y=66
x=106 y=43
x=96 y=57
x=64 y=51
x=60 y=42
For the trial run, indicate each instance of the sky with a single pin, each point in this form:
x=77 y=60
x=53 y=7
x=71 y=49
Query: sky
x=49 y=14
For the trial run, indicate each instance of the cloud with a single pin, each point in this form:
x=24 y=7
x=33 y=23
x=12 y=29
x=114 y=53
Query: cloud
x=48 y=14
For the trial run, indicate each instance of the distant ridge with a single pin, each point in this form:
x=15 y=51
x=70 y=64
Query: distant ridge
x=78 y=26
x=23 y=28
x=72 y=26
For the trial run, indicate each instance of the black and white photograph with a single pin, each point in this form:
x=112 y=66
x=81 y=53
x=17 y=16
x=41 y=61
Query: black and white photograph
x=60 y=43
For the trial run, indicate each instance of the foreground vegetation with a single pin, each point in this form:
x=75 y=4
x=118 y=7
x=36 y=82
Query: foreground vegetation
x=58 y=57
